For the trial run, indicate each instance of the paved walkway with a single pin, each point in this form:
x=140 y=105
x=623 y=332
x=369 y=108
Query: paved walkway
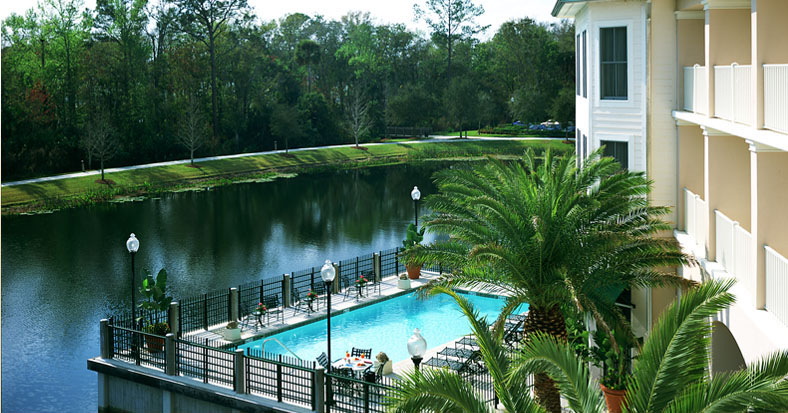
x=433 y=138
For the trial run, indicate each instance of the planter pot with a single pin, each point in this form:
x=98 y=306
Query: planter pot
x=232 y=334
x=403 y=284
x=154 y=344
x=614 y=399
x=413 y=271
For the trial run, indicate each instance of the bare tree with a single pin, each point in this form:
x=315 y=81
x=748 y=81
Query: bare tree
x=359 y=122
x=192 y=127
x=99 y=140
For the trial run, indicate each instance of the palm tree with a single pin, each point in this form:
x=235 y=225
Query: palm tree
x=670 y=375
x=549 y=233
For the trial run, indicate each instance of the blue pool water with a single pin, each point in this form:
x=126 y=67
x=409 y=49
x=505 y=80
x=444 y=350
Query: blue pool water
x=385 y=326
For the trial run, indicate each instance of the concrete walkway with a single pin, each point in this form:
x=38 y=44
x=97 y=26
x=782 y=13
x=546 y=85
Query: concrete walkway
x=433 y=138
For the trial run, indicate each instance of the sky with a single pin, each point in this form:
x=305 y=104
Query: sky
x=382 y=11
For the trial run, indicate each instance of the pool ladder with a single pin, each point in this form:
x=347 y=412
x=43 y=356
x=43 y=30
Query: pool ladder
x=281 y=344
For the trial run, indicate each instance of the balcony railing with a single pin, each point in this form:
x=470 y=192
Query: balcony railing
x=776 y=284
x=696 y=94
x=696 y=218
x=734 y=250
x=733 y=93
x=775 y=97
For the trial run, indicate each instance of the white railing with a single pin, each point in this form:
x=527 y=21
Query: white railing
x=696 y=219
x=776 y=284
x=735 y=250
x=696 y=95
x=775 y=97
x=733 y=93
x=689 y=88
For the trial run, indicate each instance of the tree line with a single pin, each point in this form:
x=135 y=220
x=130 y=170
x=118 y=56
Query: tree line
x=132 y=82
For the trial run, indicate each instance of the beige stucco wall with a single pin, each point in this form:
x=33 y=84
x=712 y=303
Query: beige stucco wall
x=661 y=298
x=690 y=158
x=771 y=34
x=662 y=145
x=725 y=354
x=729 y=178
x=728 y=34
x=691 y=42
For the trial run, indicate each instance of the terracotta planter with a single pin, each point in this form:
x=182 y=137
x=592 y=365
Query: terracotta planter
x=413 y=271
x=154 y=344
x=614 y=399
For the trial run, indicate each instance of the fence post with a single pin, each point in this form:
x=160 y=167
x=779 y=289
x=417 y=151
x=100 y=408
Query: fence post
x=239 y=371
x=174 y=318
x=262 y=290
x=205 y=311
x=396 y=261
x=104 y=338
x=169 y=354
x=366 y=397
x=286 y=296
x=233 y=316
x=279 y=383
x=356 y=268
x=440 y=269
x=376 y=266
x=205 y=362
x=335 y=285
x=318 y=385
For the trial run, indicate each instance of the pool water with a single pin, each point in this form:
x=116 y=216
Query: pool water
x=385 y=326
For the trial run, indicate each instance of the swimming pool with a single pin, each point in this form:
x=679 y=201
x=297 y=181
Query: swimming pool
x=385 y=326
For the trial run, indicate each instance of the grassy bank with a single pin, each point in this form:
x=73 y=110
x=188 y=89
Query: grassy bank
x=72 y=192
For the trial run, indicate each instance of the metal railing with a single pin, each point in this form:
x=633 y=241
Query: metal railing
x=776 y=284
x=285 y=379
x=352 y=395
x=733 y=93
x=775 y=97
x=734 y=250
x=206 y=363
x=696 y=93
x=696 y=219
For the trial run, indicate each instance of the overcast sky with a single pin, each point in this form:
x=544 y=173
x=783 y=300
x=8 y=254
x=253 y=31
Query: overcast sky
x=383 y=11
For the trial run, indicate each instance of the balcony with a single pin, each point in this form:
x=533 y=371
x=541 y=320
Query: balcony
x=734 y=250
x=696 y=95
x=733 y=93
x=696 y=220
x=776 y=284
x=775 y=97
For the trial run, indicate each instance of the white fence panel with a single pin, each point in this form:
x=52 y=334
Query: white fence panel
x=723 y=92
x=776 y=284
x=700 y=97
x=743 y=260
x=775 y=97
x=701 y=221
x=689 y=88
x=689 y=212
x=724 y=238
x=742 y=94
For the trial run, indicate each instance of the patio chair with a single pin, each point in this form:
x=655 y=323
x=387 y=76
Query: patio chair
x=250 y=317
x=302 y=303
x=322 y=359
x=274 y=308
x=361 y=352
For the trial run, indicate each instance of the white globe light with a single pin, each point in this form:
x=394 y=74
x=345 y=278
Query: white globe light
x=415 y=193
x=328 y=272
x=417 y=345
x=132 y=244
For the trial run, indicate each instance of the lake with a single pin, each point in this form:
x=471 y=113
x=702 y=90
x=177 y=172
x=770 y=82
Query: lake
x=62 y=272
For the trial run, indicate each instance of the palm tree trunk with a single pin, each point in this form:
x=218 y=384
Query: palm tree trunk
x=550 y=321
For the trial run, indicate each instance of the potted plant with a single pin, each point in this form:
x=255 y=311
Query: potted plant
x=614 y=363
x=232 y=332
x=154 y=290
x=360 y=283
x=404 y=282
x=311 y=296
x=413 y=237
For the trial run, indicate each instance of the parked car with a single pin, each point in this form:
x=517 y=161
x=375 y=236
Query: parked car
x=517 y=123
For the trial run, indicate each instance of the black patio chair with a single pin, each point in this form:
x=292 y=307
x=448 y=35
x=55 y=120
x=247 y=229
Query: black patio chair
x=322 y=359
x=361 y=352
x=250 y=317
x=273 y=308
x=302 y=302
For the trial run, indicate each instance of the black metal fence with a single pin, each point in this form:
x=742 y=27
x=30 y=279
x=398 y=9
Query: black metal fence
x=286 y=379
x=136 y=347
x=205 y=362
x=389 y=262
x=352 y=395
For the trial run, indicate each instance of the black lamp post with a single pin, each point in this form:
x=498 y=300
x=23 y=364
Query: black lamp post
x=415 y=194
x=417 y=346
x=327 y=273
x=133 y=245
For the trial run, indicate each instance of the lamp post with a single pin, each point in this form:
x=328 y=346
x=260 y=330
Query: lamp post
x=327 y=273
x=415 y=194
x=133 y=245
x=417 y=346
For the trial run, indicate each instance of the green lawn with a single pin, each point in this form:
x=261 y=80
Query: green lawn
x=77 y=191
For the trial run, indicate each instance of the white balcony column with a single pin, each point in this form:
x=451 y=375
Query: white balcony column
x=769 y=32
x=690 y=165
x=727 y=37
x=726 y=182
x=768 y=197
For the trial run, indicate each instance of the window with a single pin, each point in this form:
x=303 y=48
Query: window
x=613 y=62
x=577 y=65
x=577 y=143
x=585 y=70
x=618 y=150
x=585 y=147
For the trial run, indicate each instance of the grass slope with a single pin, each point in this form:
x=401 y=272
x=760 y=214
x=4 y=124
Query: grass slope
x=85 y=190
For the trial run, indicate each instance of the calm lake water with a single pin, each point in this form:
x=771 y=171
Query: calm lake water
x=63 y=272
